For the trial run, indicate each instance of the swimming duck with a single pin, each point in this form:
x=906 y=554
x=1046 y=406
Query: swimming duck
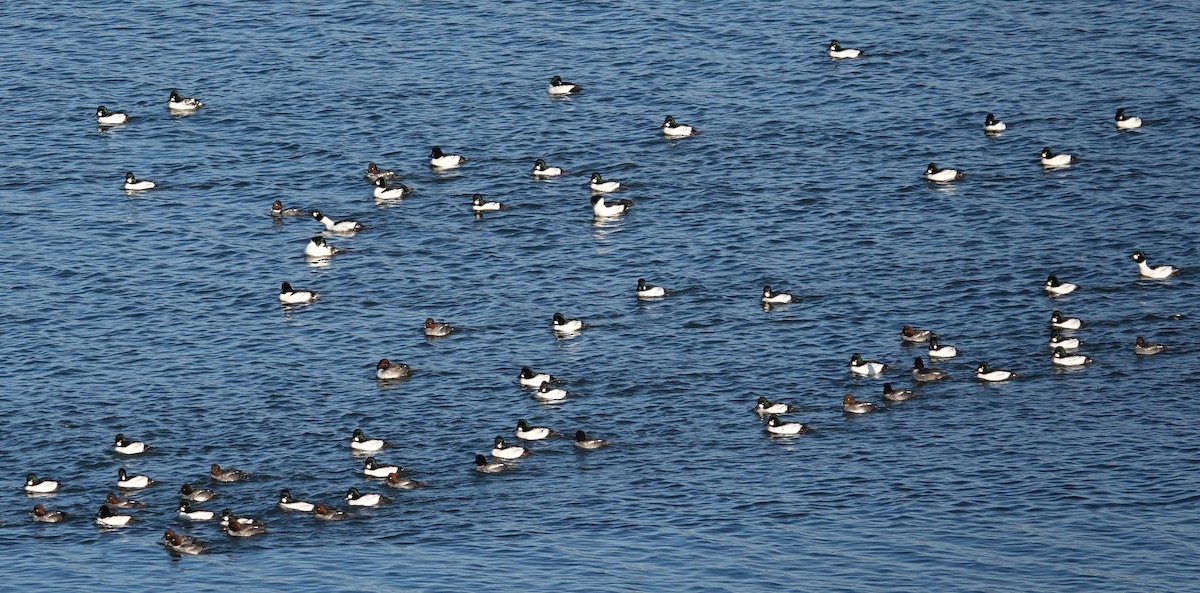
x=924 y=375
x=395 y=480
x=360 y=442
x=478 y=204
x=775 y=298
x=532 y=433
x=489 y=467
x=676 y=130
x=599 y=185
x=287 y=503
x=502 y=450
x=181 y=544
x=939 y=350
x=1057 y=287
x=126 y=446
x=113 y=501
x=853 y=406
x=441 y=160
x=1049 y=159
x=1057 y=340
x=1156 y=272
x=765 y=406
x=177 y=103
x=838 y=52
x=560 y=87
x=373 y=469
x=1061 y=358
x=39 y=485
x=583 y=441
x=187 y=512
x=317 y=247
x=238 y=527
x=985 y=373
x=915 y=336
x=128 y=482
x=325 y=512
x=528 y=378
x=563 y=325
x=291 y=296
x=355 y=498
x=189 y=492
x=227 y=475
x=649 y=291
x=277 y=210
x=340 y=226
x=227 y=517
x=1057 y=319
x=549 y=394
x=993 y=125
x=858 y=366
x=374 y=173
x=106 y=517
x=434 y=329
x=897 y=395
x=934 y=173
x=386 y=369
x=41 y=515
x=388 y=191
x=1141 y=346
x=1127 y=122
x=134 y=184
x=776 y=426
x=613 y=208
x=107 y=118
x=541 y=169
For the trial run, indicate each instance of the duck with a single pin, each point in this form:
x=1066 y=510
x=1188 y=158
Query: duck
x=374 y=173
x=836 y=51
x=175 y=102
x=1049 y=159
x=106 y=517
x=1056 y=287
x=649 y=291
x=187 y=512
x=278 y=211
x=934 y=173
x=765 y=406
x=541 y=169
x=441 y=160
x=776 y=426
x=1061 y=358
x=132 y=183
x=983 y=372
x=599 y=185
x=583 y=441
x=227 y=517
x=387 y=191
x=858 y=366
x=37 y=485
x=355 y=498
x=528 y=378
x=395 y=480
x=325 y=512
x=1057 y=319
x=1141 y=346
x=1127 y=122
x=42 y=515
x=317 y=247
x=291 y=296
x=676 y=130
x=181 y=544
x=771 y=297
x=911 y=335
x=434 y=329
x=373 y=469
x=613 y=208
x=939 y=350
x=482 y=465
x=897 y=395
x=853 y=406
x=992 y=125
x=128 y=482
x=227 y=475
x=478 y=204
x=502 y=450
x=386 y=369
x=526 y=432
x=550 y=394
x=340 y=226
x=126 y=446
x=238 y=527
x=563 y=325
x=925 y=375
x=189 y=492
x=360 y=442
x=1156 y=272
x=111 y=499
x=1057 y=340
x=107 y=118
x=558 y=86
x=287 y=503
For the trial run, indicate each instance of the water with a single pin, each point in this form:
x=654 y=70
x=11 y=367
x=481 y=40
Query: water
x=155 y=314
